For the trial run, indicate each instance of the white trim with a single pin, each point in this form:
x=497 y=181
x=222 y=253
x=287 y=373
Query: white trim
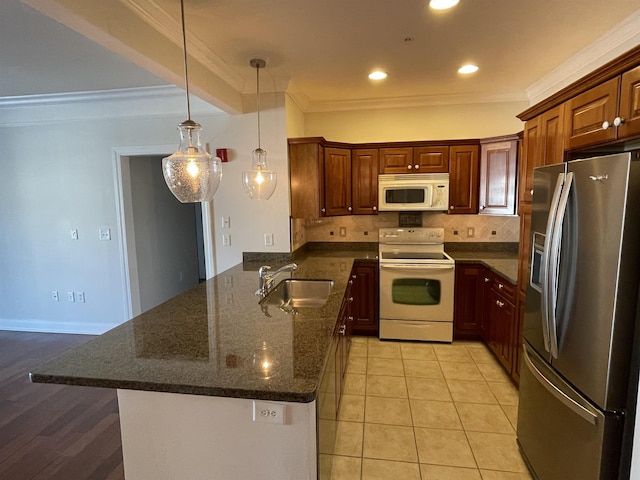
x=47 y=326
x=620 y=39
x=405 y=102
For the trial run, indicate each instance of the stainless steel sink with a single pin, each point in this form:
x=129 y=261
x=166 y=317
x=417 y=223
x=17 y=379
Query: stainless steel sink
x=299 y=293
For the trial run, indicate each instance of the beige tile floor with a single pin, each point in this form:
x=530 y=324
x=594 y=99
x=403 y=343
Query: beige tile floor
x=419 y=411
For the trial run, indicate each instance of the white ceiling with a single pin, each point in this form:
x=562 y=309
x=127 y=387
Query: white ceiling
x=321 y=50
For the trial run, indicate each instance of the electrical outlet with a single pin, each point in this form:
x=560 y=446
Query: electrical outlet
x=71 y=297
x=470 y=232
x=80 y=297
x=226 y=240
x=343 y=231
x=226 y=222
x=104 y=233
x=228 y=281
x=268 y=239
x=268 y=412
x=74 y=234
x=54 y=296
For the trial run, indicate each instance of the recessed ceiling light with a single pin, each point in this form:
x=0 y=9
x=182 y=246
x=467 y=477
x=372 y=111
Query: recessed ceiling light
x=377 y=75
x=443 y=4
x=468 y=68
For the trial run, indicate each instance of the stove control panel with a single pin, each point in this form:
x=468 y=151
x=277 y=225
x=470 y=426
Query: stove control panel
x=411 y=235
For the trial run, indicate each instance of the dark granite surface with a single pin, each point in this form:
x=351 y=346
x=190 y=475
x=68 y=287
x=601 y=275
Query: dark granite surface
x=503 y=261
x=214 y=339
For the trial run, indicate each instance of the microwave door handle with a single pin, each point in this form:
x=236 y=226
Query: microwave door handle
x=545 y=297
x=554 y=262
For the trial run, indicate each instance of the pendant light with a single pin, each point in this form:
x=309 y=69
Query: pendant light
x=191 y=173
x=259 y=182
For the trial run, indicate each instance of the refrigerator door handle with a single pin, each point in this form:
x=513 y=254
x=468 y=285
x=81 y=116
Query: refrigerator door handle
x=556 y=392
x=554 y=263
x=545 y=297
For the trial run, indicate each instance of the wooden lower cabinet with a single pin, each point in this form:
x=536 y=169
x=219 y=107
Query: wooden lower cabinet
x=485 y=308
x=517 y=338
x=364 y=290
x=469 y=301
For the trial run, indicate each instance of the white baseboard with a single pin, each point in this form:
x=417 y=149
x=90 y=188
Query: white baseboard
x=44 y=326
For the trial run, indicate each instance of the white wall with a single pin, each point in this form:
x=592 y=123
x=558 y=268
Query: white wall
x=57 y=173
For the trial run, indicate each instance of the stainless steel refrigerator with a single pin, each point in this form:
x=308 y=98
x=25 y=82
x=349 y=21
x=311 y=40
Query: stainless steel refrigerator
x=578 y=380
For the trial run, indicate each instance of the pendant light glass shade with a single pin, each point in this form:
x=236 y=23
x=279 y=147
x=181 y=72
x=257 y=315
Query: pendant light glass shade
x=191 y=173
x=259 y=182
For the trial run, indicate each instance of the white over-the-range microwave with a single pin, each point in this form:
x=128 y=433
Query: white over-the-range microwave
x=414 y=191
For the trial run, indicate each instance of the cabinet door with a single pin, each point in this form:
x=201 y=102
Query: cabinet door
x=396 y=160
x=502 y=315
x=585 y=114
x=464 y=168
x=306 y=179
x=630 y=104
x=364 y=309
x=431 y=159
x=531 y=157
x=498 y=163
x=552 y=135
x=467 y=316
x=364 y=177
x=337 y=181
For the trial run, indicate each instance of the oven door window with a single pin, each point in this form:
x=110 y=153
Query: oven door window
x=415 y=291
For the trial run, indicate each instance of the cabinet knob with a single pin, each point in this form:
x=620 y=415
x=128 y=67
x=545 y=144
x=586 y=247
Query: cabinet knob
x=350 y=282
x=323 y=210
x=500 y=286
x=351 y=299
x=486 y=279
x=417 y=167
x=350 y=318
x=354 y=276
x=375 y=208
x=531 y=192
x=499 y=303
x=618 y=121
x=409 y=167
x=606 y=125
x=451 y=207
x=343 y=330
x=349 y=208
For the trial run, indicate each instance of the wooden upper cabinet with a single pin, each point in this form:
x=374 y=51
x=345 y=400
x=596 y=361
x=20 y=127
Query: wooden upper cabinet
x=586 y=113
x=431 y=159
x=337 y=181
x=464 y=168
x=531 y=157
x=498 y=164
x=306 y=177
x=364 y=173
x=630 y=104
x=552 y=135
x=524 y=245
x=396 y=160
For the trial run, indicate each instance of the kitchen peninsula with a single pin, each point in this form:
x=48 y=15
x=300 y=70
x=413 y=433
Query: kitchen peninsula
x=190 y=371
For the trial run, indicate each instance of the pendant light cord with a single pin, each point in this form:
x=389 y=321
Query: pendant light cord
x=258 y=101
x=186 y=73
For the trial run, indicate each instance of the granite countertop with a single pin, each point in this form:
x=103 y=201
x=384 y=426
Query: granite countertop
x=211 y=339
x=503 y=261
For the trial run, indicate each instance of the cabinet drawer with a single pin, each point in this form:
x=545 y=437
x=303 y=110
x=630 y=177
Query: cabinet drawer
x=504 y=288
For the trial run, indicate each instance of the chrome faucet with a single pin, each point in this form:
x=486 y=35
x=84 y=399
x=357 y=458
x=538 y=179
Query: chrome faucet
x=265 y=278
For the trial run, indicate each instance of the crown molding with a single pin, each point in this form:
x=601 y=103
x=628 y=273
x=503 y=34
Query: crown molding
x=407 y=102
x=158 y=18
x=612 y=44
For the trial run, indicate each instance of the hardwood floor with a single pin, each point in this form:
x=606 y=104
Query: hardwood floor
x=53 y=432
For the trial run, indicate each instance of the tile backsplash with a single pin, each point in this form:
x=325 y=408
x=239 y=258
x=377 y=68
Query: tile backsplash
x=364 y=228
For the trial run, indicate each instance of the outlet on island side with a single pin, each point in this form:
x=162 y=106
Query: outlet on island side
x=268 y=239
